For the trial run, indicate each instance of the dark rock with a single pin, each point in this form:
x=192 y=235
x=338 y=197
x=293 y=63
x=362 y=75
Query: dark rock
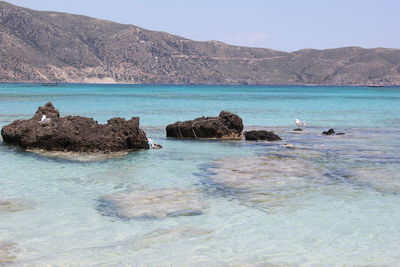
x=74 y=133
x=329 y=132
x=297 y=130
x=156 y=146
x=340 y=133
x=226 y=126
x=261 y=135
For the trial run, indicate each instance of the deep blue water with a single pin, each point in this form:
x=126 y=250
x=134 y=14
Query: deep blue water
x=306 y=200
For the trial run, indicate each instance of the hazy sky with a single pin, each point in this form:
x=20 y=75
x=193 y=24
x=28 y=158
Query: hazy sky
x=279 y=24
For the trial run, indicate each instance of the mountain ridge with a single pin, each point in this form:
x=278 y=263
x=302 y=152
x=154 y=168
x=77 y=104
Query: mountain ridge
x=56 y=47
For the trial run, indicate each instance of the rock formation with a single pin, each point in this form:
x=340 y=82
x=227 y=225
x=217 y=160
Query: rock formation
x=74 y=133
x=226 y=126
x=261 y=135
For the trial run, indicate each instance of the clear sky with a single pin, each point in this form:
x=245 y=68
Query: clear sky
x=279 y=24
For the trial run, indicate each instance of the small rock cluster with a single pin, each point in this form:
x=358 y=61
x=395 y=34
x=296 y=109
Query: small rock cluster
x=331 y=132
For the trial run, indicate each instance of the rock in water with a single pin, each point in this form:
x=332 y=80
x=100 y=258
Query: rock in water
x=297 y=130
x=226 y=126
x=74 y=133
x=261 y=135
x=153 y=204
x=329 y=132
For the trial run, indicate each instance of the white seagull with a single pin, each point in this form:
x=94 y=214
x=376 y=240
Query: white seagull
x=44 y=119
x=300 y=123
x=150 y=142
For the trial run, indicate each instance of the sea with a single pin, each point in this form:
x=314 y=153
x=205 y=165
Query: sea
x=307 y=200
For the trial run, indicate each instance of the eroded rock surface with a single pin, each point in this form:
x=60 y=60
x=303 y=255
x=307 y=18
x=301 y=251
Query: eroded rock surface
x=261 y=135
x=226 y=126
x=74 y=133
x=153 y=204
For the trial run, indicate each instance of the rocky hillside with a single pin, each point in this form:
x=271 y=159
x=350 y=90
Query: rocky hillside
x=38 y=46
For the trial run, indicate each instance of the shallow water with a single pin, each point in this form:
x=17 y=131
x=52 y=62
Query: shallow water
x=307 y=200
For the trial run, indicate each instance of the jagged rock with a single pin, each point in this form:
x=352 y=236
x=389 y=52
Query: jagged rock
x=297 y=130
x=261 y=135
x=329 y=132
x=74 y=133
x=153 y=204
x=226 y=126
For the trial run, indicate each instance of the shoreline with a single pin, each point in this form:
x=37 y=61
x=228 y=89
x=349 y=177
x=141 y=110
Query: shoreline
x=56 y=84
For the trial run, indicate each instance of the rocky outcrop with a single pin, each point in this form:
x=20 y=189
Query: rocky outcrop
x=261 y=135
x=226 y=126
x=74 y=133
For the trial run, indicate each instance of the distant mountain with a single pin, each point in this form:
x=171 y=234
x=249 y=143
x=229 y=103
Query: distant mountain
x=37 y=46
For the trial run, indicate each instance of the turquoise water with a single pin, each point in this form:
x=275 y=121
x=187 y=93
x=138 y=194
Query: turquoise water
x=307 y=200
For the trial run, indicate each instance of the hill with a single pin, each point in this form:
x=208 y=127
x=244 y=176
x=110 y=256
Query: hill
x=37 y=46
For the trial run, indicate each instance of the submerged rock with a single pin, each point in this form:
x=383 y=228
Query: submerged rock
x=48 y=131
x=261 y=135
x=78 y=156
x=297 y=130
x=265 y=181
x=153 y=204
x=7 y=251
x=160 y=236
x=12 y=206
x=384 y=179
x=226 y=126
